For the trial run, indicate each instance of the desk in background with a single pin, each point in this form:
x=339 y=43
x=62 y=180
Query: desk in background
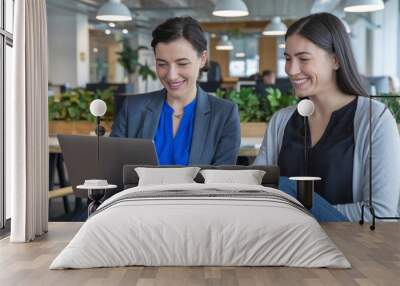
x=248 y=152
x=248 y=148
x=56 y=166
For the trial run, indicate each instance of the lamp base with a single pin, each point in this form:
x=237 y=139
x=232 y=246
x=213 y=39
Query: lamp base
x=96 y=196
x=368 y=204
x=100 y=130
x=305 y=190
x=374 y=216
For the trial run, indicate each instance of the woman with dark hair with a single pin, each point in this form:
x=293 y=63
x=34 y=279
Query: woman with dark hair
x=189 y=127
x=321 y=67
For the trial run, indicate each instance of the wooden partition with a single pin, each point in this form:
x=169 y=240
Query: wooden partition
x=267 y=49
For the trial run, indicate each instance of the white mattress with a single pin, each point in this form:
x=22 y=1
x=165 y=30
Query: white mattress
x=189 y=231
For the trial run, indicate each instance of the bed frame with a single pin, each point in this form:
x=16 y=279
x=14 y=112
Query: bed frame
x=270 y=179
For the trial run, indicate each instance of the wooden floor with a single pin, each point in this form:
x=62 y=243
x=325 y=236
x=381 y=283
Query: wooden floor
x=375 y=257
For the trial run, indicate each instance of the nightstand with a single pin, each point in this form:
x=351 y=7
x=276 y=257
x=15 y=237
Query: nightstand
x=95 y=193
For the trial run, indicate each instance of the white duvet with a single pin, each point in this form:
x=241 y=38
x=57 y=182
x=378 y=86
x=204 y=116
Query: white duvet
x=183 y=231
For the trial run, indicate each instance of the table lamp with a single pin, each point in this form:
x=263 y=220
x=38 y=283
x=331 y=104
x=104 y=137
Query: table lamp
x=96 y=188
x=305 y=109
x=98 y=108
x=305 y=184
x=369 y=203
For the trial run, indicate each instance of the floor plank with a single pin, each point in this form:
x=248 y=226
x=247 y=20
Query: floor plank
x=374 y=255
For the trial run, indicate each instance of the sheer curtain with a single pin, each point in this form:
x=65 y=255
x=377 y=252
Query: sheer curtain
x=27 y=124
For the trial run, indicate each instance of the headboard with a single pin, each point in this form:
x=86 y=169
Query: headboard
x=270 y=179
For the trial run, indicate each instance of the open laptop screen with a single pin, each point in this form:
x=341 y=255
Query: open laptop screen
x=82 y=161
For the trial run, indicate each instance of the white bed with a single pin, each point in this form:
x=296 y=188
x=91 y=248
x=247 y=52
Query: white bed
x=224 y=225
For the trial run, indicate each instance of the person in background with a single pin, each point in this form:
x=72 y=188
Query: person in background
x=266 y=80
x=214 y=72
x=188 y=126
x=268 y=77
x=321 y=67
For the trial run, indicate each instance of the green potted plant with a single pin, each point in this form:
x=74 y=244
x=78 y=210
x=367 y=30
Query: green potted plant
x=276 y=100
x=69 y=112
x=145 y=72
x=255 y=110
x=394 y=106
x=128 y=58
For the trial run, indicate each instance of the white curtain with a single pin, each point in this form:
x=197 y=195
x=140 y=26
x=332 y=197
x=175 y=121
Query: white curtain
x=27 y=124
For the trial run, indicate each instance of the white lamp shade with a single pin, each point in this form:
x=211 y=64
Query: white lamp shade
x=98 y=107
x=224 y=44
x=360 y=6
x=230 y=8
x=305 y=107
x=275 y=28
x=114 y=11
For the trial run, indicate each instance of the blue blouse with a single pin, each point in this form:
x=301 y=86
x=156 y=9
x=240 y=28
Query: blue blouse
x=175 y=150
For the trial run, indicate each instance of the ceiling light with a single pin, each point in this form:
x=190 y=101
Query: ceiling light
x=240 y=55
x=359 y=6
x=114 y=10
x=224 y=44
x=111 y=24
x=95 y=50
x=107 y=31
x=275 y=28
x=282 y=46
x=230 y=8
x=125 y=31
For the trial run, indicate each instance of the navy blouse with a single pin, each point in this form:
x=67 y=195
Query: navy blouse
x=175 y=150
x=331 y=158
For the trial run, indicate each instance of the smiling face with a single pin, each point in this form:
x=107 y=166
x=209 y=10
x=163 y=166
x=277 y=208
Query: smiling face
x=311 y=70
x=178 y=65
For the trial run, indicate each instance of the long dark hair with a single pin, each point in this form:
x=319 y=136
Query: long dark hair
x=181 y=27
x=328 y=32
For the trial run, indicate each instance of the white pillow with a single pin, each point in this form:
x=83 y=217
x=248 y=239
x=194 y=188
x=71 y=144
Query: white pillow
x=166 y=176
x=248 y=177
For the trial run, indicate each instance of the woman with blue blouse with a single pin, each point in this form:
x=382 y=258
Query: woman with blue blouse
x=188 y=126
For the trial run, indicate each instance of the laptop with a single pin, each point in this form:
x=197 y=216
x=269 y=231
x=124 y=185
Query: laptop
x=85 y=161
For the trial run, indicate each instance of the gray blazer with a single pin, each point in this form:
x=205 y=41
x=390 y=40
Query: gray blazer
x=385 y=162
x=216 y=133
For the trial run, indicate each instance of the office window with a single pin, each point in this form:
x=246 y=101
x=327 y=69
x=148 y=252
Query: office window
x=281 y=61
x=9 y=15
x=398 y=44
x=244 y=59
x=7 y=94
x=2 y=195
x=6 y=64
